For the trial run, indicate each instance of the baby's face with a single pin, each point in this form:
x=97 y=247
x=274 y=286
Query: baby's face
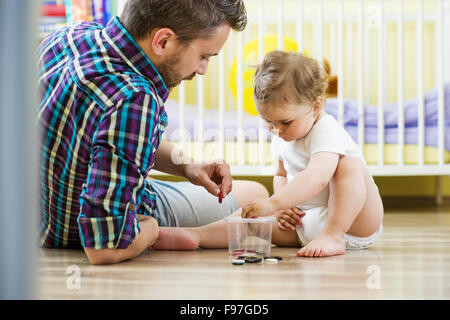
x=289 y=122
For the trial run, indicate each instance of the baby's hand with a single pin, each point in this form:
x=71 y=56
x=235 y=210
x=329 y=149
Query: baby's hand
x=287 y=219
x=258 y=208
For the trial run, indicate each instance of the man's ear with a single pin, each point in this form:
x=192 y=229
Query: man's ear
x=163 y=41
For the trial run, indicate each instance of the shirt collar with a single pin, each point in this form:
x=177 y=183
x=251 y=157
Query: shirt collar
x=133 y=55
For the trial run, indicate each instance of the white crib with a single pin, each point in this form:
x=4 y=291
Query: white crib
x=370 y=47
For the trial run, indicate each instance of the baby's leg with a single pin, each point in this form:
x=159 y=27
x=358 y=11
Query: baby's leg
x=354 y=207
x=284 y=238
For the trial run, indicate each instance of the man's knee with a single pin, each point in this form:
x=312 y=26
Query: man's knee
x=246 y=191
x=259 y=190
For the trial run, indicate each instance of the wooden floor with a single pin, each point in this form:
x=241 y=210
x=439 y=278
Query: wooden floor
x=411 y=260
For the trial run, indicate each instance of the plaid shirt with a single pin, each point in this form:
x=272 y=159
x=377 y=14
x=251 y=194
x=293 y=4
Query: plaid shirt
x=102 y=116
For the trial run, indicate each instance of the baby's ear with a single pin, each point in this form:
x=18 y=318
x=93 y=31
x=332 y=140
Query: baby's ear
x=318 y=103
x=319 y=100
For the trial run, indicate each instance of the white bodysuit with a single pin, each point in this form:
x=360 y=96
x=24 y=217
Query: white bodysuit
x=326 y=135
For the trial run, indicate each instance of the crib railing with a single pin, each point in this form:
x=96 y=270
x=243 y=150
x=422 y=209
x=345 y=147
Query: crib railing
x=349 y=37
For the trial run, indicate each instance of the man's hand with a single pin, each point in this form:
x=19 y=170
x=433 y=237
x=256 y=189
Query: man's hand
x=258 y=208
x=215 y=176
x=287 y=219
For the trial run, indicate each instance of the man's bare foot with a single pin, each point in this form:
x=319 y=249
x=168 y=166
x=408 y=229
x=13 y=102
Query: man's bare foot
x=176 y=239
x=323 y=246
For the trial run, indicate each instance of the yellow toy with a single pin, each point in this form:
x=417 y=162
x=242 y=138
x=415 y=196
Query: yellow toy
x=250 y=61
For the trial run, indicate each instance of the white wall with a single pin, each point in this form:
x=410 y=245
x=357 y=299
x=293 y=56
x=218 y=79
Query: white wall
x=447 y=40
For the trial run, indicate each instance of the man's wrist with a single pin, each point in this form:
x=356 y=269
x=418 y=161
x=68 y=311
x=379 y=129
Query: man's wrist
x=180 y=162
x=184 y=169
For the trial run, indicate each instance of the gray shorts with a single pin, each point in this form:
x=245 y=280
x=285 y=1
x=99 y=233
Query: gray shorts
x=183 y=204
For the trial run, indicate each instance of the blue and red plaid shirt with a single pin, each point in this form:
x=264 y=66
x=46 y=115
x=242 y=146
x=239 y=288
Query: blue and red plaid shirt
x=101 y=114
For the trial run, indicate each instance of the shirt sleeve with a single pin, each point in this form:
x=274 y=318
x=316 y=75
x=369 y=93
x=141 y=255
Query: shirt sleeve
x=122 y=156
x=326 y=136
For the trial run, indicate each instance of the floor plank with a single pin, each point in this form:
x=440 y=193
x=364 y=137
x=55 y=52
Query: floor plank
x=411 y=260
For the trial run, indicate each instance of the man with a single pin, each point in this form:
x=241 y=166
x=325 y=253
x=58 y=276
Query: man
x=102 y=117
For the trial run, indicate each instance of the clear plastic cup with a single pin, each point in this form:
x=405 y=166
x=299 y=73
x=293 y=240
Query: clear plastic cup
x=249 y=236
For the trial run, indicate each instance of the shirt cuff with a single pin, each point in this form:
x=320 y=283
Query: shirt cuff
x=109 y=232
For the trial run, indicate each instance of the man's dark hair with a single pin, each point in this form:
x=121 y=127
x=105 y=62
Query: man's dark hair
x=189 y=19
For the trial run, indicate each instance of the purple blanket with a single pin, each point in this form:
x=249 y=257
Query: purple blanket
x=250 y=123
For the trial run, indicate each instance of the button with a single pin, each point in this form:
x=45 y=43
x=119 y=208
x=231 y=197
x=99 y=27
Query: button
x=131 y=207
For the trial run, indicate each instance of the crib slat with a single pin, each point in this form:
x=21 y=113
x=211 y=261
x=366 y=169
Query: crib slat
x=181 y=104
x=320 y=33
x=280 y=22
x=201 y=108
x=300 y=26
x=240 y=100
x=349 y=56
x=261 y=31
x=367 y=64
x=420 y=93
x=340 y=71
x=381 y=81
x=221 y=59
x=332 y=38
x=401 y=120
x=360 y=76
x=439 y=47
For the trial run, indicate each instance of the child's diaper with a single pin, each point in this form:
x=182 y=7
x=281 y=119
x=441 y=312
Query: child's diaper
x=313 y=222
x=354 y=242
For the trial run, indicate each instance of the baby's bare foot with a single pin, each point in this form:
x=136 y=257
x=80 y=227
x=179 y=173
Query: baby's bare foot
x=323 y=246
x=176 y=239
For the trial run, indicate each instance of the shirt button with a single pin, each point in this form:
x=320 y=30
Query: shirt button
x=131 y=207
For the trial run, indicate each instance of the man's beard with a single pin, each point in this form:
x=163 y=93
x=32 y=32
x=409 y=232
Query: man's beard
x=168 y=72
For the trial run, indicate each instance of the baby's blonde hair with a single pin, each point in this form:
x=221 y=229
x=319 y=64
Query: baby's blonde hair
x=288 y=77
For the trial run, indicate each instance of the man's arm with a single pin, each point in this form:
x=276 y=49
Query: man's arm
x=171 y=160
x=214 y=176
x=115 y=185
x=147 y=236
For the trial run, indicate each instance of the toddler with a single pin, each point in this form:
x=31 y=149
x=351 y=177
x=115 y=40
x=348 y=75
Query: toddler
x=325 y=200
